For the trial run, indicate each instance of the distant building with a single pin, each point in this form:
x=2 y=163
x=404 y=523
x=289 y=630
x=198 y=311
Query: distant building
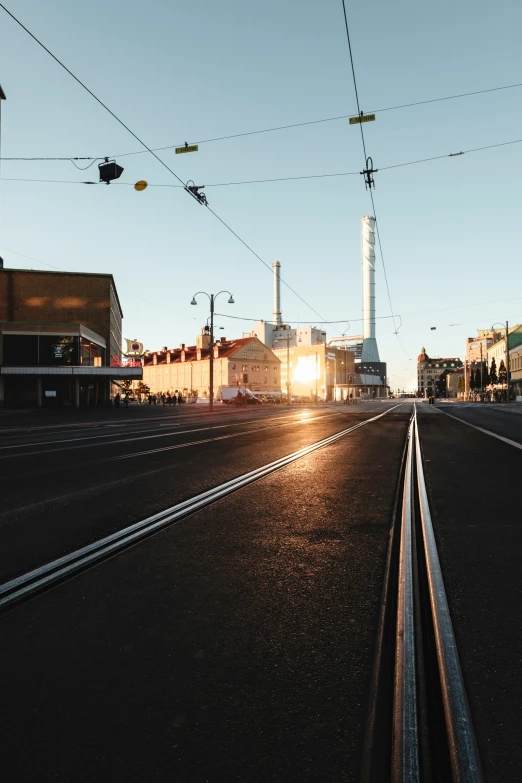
x=515 y=363
x=497 y=351
x=237 y=363
x=60 y=338
x=453 y=389
x=431 y=373
x=326 y=371
x=274 y=335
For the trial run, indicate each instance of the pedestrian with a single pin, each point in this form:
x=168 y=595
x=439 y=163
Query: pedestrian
x=180 y=398
x=154 y=399
x=126 y=400
x=169 y=399
x=150 y=399
x=117 y=400
x=163 y=399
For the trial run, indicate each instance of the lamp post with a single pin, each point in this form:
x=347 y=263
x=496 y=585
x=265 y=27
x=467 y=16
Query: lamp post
x=507 y=355
x=212 y=298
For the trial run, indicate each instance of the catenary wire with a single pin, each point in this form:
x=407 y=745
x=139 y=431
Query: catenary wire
x=287 y=127
x=370 y=188
x=276 y=179
x=154 y=155
x=98 y=100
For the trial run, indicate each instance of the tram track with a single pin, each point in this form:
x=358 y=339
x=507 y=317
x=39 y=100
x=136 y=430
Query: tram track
x=45 y=576
x=149 y=452
x=419 y=727
x=138 y=435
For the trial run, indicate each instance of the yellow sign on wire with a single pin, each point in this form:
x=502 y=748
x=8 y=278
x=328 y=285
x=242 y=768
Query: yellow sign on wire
x=362 y=118
x=186 y=148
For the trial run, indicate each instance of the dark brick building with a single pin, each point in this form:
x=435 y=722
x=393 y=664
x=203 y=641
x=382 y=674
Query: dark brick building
x=59 y=332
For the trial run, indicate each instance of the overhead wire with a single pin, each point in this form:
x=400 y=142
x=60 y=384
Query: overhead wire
x=286 y=127
x=366 y=164
x=147 y=148
x=275 y=179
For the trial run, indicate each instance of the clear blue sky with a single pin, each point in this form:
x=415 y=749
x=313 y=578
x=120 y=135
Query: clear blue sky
x=177 y=71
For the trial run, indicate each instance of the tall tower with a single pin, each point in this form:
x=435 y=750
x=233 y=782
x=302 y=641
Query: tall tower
x=278 y=316
x=370 y=352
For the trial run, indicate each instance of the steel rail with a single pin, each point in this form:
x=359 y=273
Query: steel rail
x=136 y=435
x=464 y=757
x=40 y=578
x=405 y=740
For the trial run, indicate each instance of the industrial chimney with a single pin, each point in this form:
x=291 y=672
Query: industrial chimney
x=370 y=352
x=278 y=316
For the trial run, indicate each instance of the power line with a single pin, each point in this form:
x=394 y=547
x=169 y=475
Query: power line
x=283 y=127
x=153 y=154
x=98 y=100
x=367 y=167
x=275 y=179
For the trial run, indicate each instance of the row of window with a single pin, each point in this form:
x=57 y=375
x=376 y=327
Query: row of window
x=47 y=350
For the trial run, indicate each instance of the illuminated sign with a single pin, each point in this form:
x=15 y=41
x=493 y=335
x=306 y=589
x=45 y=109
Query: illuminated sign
x=186 y=148
x=127 y=362
x=50 y=393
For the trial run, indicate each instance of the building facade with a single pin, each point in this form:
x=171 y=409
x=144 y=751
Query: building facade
x=497 y=351
x=245 y=362
x=60 y=338
x=431 y=373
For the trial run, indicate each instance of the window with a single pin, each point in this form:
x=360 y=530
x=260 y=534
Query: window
x=20 y=350
x=265 y=380
x=244 y=366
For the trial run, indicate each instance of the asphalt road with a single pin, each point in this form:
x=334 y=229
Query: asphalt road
x=238 y=644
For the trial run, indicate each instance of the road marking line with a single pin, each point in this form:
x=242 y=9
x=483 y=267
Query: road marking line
x=486 y=432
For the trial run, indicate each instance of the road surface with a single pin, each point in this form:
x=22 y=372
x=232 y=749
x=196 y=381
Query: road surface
x=238 y=643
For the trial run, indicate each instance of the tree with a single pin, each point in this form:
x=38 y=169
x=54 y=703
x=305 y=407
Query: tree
x=126 y=386
x=460 y=384
x=487 y=378
x=472 y=380
x=502 y=373
x=478 y=379
x=493 y=379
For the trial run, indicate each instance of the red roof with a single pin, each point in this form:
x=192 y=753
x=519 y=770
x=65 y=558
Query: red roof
x=225 y=349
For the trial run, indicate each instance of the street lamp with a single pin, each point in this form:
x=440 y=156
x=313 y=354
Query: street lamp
x=212 y=298
x=507 y=354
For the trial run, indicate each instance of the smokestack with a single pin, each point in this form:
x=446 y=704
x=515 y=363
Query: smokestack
x=370 y=352
x=278 y=316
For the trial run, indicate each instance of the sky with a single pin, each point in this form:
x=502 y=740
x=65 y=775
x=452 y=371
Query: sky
x=191 y=71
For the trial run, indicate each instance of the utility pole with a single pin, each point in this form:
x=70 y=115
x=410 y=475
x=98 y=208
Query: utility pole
x=507 y=362
x=316 y=376
x=288 y=368
x=211 y=354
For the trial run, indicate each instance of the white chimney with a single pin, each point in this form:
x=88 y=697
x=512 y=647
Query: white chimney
x=278 y=316
x=370 y=352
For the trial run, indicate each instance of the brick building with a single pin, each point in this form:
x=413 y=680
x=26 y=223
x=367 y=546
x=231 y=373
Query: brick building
x=59 y=334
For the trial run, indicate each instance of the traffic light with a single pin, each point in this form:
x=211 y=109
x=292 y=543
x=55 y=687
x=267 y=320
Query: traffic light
x=109 y=170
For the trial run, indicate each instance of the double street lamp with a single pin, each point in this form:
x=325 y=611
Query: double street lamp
x=212 y=298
